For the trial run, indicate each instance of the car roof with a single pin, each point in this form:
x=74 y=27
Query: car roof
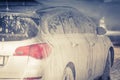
x=35 y=11
x=55 y=9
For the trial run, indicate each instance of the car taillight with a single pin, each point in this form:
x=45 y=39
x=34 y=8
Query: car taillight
x=38 y=51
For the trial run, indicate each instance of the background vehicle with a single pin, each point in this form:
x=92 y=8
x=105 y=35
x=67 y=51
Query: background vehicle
x=55 y=43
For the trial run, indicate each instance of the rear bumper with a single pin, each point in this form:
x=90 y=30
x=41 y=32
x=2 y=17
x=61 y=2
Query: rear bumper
x=19 y=68
x=27 y=78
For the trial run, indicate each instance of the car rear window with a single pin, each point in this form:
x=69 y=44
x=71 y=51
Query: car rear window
x=15 y=28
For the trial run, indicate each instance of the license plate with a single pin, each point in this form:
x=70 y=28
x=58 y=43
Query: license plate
x=2 y=58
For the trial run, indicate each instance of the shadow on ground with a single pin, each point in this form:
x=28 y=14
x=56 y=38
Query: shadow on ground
x=115 y=71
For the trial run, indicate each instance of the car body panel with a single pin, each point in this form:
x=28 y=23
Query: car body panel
x=72 y=38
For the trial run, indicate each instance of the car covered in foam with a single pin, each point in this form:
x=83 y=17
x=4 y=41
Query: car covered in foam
x=54 y=43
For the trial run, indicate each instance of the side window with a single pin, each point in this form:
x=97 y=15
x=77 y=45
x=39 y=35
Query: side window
x=54 y=25
x=79 y=22
x=65 y=22
x=68 y=22
x=90 y=26
x=84 y=24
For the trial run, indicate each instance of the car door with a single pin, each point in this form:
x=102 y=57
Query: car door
x=79 y=44
x=96 y=48
x=79 y=48
x=82 y=23
x=56 y=35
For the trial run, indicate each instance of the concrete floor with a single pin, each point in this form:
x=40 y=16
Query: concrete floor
x=115 y=71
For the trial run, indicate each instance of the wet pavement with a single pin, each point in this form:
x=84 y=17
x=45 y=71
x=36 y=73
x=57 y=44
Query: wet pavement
x=115 y=71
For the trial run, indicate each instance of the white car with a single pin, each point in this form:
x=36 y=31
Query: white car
x=54 y=43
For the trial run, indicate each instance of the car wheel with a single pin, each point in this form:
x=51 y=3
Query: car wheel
x=69 y=72
x=106 y=73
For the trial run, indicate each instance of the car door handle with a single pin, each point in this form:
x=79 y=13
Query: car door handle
x=92 y=44
x=75 y=44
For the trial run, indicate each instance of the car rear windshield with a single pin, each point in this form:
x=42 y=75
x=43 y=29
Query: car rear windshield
x=15 y=28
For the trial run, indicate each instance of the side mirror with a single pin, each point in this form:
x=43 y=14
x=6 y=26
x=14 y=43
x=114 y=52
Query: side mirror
x=100 y=30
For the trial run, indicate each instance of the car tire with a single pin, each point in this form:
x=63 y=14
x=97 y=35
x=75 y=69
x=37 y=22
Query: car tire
x=69 y=72
x=106 y=73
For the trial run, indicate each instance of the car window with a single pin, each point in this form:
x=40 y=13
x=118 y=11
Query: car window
x=64 y=17
x=84 y=24
x=78 y=20
x=14 y=28
x=68 y=22
x=89 y=26
x=54 y=25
